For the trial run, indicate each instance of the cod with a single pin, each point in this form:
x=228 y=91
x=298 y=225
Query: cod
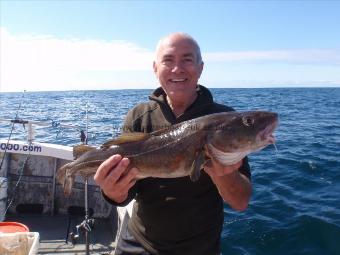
x=180 y=150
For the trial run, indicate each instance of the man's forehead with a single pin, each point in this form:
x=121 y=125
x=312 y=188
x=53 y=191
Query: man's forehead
x=173 y=53
x=177 y=45
x=172 y=50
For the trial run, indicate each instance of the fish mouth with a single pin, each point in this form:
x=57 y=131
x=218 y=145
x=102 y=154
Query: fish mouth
x=266 y=136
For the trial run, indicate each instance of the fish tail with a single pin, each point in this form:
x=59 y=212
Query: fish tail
x=61 y=174
x=65 y=179
x=68 y=184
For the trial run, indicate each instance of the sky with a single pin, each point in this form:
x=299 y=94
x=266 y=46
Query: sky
x=56 y=45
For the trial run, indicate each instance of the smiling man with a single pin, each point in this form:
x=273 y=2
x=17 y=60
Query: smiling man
x=178 y=66
x=174 y=216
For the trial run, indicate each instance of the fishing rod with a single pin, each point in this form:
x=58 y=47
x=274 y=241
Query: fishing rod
x=88 y=222
x=30 y=138
x=12 y=128
x=5 y=153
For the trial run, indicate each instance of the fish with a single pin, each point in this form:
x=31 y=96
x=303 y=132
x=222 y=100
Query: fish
x=180 y=150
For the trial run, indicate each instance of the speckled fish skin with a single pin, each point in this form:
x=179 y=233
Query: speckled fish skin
x=180 y=150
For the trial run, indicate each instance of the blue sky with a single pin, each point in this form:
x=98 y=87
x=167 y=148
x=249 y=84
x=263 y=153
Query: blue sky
x=69 y=45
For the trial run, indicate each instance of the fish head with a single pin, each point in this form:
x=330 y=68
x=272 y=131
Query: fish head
x=244 y=131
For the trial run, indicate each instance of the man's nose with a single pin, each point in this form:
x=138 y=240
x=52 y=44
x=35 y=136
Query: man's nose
x=177 y=67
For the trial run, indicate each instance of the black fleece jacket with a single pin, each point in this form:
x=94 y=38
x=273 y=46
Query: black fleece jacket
x=176 y=216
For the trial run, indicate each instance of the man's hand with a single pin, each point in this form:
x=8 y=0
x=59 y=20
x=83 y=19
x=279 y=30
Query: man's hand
x=234 y=187
x=115 y=178
x=214 y=168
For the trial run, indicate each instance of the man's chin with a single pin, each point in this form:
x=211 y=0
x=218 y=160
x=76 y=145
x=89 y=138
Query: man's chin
x=178 y=85
x=181 y=94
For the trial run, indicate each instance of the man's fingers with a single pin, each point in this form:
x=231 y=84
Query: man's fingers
x=118 y=171
x=215 y=168
x=125 y=189
x=131 y=184
x=115 y=178
x=128 y=178
x=105 y=168
x=238 y=164
x=126 y=182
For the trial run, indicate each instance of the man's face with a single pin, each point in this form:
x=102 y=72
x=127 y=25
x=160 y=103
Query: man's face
x=178 y=69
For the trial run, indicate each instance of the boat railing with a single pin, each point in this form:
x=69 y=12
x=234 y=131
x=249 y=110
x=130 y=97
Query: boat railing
x=31 y=123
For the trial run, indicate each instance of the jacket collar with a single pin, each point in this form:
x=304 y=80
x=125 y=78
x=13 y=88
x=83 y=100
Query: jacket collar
x=204 y=95
x=203 y=99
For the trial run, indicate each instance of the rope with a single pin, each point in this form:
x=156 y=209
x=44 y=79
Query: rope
x=18 y=181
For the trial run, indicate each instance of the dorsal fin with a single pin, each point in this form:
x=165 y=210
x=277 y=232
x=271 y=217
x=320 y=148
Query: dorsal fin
x=126 y=138
x=79 y=150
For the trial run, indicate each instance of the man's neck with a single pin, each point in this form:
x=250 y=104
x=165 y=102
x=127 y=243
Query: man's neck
x=178 y=108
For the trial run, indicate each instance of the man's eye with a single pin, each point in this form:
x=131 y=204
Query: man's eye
x=188 y=60
x=167 y=60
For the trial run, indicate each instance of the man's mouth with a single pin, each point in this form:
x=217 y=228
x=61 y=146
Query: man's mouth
x=178 y=80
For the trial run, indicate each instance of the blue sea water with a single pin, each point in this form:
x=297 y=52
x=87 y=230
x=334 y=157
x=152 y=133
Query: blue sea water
x=295 y=207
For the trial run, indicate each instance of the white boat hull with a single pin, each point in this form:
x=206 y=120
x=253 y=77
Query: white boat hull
x=35 y=184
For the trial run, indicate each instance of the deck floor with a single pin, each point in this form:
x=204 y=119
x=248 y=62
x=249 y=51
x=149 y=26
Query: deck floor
x=53 y=229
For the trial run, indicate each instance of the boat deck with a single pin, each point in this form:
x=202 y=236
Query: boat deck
x=53 y=230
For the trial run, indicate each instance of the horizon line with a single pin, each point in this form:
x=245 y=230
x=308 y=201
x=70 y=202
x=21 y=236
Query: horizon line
x=236 y=87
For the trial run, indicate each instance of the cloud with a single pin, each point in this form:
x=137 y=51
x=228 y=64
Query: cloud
x=74 y=53
x=39 y=61
x=46 y=62
x=274 y=83
x=299 y=56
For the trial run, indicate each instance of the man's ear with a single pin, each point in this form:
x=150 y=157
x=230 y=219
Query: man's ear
x=201 y=68
x=154 y=65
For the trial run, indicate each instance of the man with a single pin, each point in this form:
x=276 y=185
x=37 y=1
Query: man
x=174 y=216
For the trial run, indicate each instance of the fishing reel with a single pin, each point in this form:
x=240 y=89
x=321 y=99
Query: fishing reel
x=86 y=225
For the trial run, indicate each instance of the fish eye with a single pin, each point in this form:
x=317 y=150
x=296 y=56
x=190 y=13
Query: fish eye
x=248 y=121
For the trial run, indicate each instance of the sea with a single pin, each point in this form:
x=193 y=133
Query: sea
x=295 y=206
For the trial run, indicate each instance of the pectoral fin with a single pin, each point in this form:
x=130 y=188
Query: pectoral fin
x=196 y=166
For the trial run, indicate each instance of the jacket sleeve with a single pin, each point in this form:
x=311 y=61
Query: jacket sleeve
x=131 y=195
x=132 y=122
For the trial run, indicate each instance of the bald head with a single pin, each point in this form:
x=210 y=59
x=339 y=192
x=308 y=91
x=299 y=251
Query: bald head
x=175 y=37
x=178 y=67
